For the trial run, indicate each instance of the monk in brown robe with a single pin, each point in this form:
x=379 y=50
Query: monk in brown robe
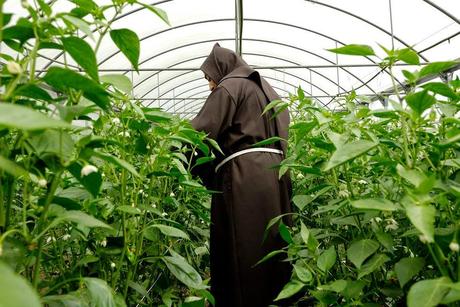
x=251 y=193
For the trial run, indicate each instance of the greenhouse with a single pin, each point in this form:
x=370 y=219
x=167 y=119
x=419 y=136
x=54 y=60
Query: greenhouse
x=229 y=153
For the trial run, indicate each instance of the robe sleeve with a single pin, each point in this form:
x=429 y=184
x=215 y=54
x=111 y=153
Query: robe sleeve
x=217 y=113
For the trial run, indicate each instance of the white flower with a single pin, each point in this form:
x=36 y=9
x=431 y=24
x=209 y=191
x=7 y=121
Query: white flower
x=112 y=265
x=147 y=146
x=454 y=246
x=344 y=193
x=124 y=134
x=88 y=169
x=362 y=181
x=164 y=214
x=377 y=219
x=42 y=183
x=116 y=121
x=14 y=68
x=392 y=225
x=66 y=237
x=104 y=243
x=423 y=238
x=25 y=4
x=172 y=194
x=195 y=153
x=154 y=206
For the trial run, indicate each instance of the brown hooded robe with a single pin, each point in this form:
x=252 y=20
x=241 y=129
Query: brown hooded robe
x=251 y=194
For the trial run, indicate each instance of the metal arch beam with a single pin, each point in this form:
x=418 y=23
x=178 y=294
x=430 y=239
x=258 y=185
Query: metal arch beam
x=190 y=81
x=364 y=20
x=191 y=89
x=256 y=54
x=295 y=76
x=248 y=19
x=264 y=41
x=195 y=104
x=118 y=18
x=443 y=11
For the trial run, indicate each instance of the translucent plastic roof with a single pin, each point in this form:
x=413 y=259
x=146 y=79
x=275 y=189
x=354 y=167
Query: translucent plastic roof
x=285 y=40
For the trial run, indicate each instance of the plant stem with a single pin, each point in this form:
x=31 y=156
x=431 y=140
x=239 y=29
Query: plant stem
x=441 y=268
x=40 y=226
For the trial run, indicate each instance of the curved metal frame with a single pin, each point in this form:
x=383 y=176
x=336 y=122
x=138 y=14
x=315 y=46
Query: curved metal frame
x=264 y=41
x=191 y=89
x=199 y=103
x=247 y=19
x=295 y=76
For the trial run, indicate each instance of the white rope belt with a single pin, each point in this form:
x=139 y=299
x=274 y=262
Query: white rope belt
x=245 y=151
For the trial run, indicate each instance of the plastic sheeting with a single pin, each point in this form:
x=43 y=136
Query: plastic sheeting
x=278 y=37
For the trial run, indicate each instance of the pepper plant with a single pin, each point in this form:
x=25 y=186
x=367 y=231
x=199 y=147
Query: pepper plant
x=97 y=204
x=377 y=193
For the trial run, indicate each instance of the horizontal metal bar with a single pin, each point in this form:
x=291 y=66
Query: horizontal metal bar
x=285 y=97
x=255 y=67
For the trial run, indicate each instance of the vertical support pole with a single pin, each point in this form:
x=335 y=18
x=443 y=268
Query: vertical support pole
x=158 y=88
x=338 y=74
x=238 y=26
x=391 y=26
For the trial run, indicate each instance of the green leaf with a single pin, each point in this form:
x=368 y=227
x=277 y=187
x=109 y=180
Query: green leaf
x=284 y=232
x=268 y=141
x=32 y=91
x=159 y=12
x=336 y=286
x=308 y=237
x=22 y=33
x=269 y=256
x=372 y=264
x=413 y=176
x=62 y=79
x=271 y=105
x=385 y=239
x=348 y=152
x=119 y=81
x=428 y=293
x=420 y=101
x=128 y=43
x=407 y=268
x=80 y=24
x=129 y=209
x=436 y=68
x=171 y=231
x=441 y=89
x=353 y=49
x=12 y=168
x=327 y=259
x=374 y=204
x=91 y=182
x=301 y=201
x=290 y=289
x=116 y=161
x=15 y=291
x=408 y=56
x=24 y=118
x=303 y=273
x=158 y=116
x=100 y=292
x=82 y=53
x=361 y=250
x=453 y=295
x=81 y=218
x=183 y=271
x=423 y=218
